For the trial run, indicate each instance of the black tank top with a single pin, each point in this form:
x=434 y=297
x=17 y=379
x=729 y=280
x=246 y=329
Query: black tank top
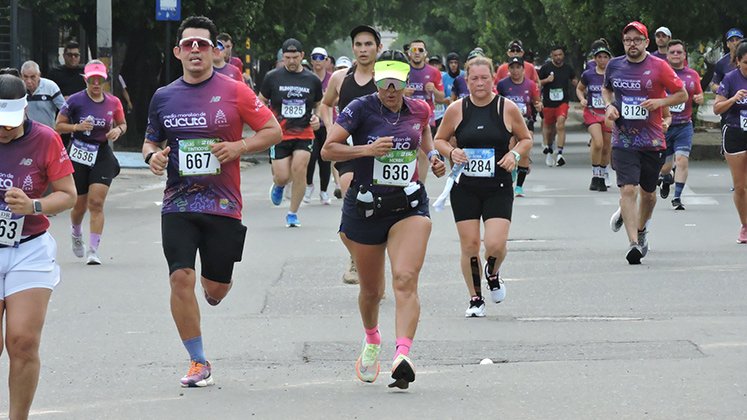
x=483 y=128
x=350 y=89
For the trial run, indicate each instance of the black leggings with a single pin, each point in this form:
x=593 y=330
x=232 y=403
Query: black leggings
x=325 y=169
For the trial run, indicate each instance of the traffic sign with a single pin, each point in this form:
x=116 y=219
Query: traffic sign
x=169 y=10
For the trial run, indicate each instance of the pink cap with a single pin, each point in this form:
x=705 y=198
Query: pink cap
x=95 y=69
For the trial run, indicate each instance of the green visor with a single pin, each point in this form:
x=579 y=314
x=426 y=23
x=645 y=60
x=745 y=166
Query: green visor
x=391 y=70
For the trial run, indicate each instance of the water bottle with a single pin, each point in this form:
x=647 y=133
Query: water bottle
x=365 y=202
x=410 y=190
x=88 y=119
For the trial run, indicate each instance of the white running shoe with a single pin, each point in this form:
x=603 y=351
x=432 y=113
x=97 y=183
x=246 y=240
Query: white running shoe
x=351 y=276
x=495 y=285
x=616 y=221
x=549 y=161
x=324 y=198
x=476 y=309
x=307 y=194
x=79 y=248
x=93 y=258
x=367 y=367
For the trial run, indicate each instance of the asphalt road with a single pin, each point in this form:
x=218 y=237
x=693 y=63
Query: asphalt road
x=582 y=335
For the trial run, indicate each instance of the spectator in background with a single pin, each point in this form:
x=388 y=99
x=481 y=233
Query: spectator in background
x=125 y=93
x=69 y=77
x=43 y=95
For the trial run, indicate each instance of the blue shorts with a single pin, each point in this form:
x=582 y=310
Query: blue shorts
x=680 y=139
x=374 y=230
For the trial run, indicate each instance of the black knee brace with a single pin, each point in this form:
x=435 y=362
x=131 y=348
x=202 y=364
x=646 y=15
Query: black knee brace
x=489 y=269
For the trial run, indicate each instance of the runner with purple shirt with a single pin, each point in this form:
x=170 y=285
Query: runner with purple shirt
x=679 y=135
x=525 y=94
x=731 y=103
x=221 y=66
x=29 y=272
x=386 y=209
x=95 y=118
x=589 y=92
x=635 y=87
x=727 y=63
x=194 y=135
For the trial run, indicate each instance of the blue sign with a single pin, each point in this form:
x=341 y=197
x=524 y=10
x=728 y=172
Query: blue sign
x=169 y=10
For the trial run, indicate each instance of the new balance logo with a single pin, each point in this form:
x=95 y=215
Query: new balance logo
x=215 y=99
x=26 y=162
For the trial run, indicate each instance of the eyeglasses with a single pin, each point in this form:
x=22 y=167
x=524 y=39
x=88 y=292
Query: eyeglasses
x=387 y=83
x=633 y=41
x=318 y=57
x=74 y=55
x=203 y=44
x=95 y=80
x=417 y=50
x=515 y=50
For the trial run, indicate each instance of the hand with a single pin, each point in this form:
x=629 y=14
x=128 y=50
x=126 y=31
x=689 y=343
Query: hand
x=698 y=99
x=114 y=134
x=409 y=91
x=85 y=125
x=381 y=146
x=18 y=201
x=551 y=77
x=666 y=122
x=740 y=95
x=611 y=113
x=315 y=122
x=227 y=151
x=437 y=166
x=159 y=160
x=652 y=104
x=538 y=106
x=430 y=87
x=584 y=102
x=508 y=162
x=458 y=156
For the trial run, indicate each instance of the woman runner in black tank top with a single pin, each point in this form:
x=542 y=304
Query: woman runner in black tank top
x=483 y=124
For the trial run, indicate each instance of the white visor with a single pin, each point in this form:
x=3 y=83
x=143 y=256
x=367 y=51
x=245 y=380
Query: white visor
x=12 y=112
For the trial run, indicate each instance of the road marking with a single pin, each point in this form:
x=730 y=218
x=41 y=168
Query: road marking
x=723 y=345
x=579 y=318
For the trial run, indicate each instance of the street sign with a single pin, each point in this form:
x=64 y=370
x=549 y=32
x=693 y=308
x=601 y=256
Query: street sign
x=169 y=10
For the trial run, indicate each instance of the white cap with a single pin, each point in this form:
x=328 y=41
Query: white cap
x=343 y=62
x=319 y=50
x=664 y=30
x=12 y=111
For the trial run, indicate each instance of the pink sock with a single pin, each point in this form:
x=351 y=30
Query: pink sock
x=373 y=336
x=77 y=231
x=95 y=240
x=403 y=346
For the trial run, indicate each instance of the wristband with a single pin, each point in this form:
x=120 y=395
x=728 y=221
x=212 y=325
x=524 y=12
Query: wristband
x=148 y=156
x=120 y=130
x=450 y=152
x=434 y=152
x=517 y=156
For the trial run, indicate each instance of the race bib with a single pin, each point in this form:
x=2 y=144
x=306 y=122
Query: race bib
x=293 y=108
x=597 y=101
x=11 y=227
x=84 y=153
x=556 y=94
x=396 y=168
x=195 y=157
x=677 y=108
x=480 y=163
x=440 y=108
x=743 y=119
x=522 y=107
x=632 y=109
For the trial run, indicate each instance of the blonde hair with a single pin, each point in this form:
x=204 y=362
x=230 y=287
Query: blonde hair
x=478 y=61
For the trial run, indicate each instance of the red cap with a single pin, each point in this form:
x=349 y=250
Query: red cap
x=638 y=26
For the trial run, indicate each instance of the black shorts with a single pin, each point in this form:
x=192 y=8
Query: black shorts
x=637 y=167
x=472 y=202
x=285 y=148
x=733 y=140
x=345 y=167
x=220 y=240
x=103 y=171
x=374 y=230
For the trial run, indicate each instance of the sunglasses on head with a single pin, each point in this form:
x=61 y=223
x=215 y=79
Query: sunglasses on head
x=198 y=42
x=417 y=49
x=318 y=57
x=387 y=83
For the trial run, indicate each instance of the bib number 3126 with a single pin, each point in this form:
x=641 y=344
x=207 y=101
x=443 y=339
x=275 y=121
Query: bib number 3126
x=196 y=158
x=632 y=109
x=396 y=168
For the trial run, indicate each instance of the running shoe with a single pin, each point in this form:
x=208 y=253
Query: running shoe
x=495 y=284
x=324 y=198
x=594 y=186
x=666 y=183
x=403 y=372
x=367 y=367
x=643 y=241
x=519 y=191
x=276 y=194
x=601 y=185
x=79 y=248
x=307 y=194
x=291 y=220
x=616 y=221
x=476 y=308
x=198 y=376
x=607 y=182
x=560 y=161
x=351 y=276
x=677 y=204
x=549 y=161
x=93 y=258
x=634 y=254
x=546 y=150
x=742 y=238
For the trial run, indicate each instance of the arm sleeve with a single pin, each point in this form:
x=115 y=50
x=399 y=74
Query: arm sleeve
x=253 y=112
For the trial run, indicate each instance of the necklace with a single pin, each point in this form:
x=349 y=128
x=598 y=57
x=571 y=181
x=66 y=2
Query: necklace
x=381 y=111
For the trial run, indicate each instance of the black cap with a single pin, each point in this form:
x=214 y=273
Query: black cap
x=365 y=28
x=434 y=58
x=452 y=56
x=515 y=44
x=292 y=45
x=515 y=60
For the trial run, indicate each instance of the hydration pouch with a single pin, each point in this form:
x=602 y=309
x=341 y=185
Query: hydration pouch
x=398 y=201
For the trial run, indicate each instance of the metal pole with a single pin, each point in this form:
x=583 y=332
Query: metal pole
x=15 y=44
x=104 y=35
x=166 y=56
